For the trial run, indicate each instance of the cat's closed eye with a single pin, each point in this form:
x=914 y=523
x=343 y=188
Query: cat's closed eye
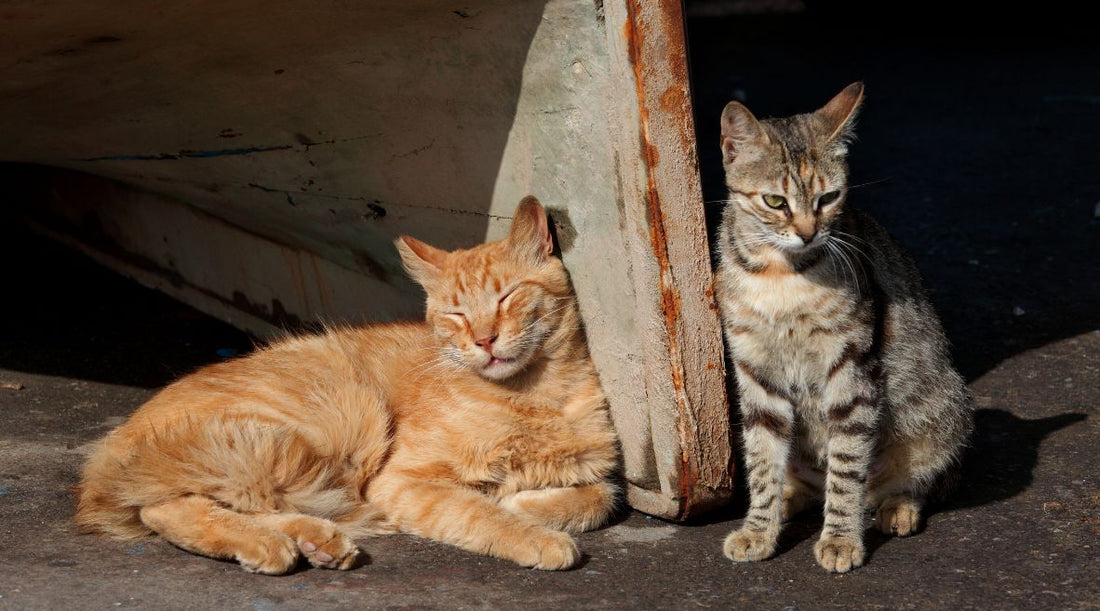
x=775 y=201
x=506 y=296
x=457 y=317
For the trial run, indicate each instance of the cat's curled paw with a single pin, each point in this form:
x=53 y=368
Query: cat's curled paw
x=899 y=515
x=551 y=550
x=746 y=545
x=339 y=552
x=324 y=544
x=321 y=541
x=839 y=554
x=271 y=554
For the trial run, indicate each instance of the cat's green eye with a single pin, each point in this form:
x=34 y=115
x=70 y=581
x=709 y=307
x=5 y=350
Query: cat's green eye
x=775 y=201
x=828 y=198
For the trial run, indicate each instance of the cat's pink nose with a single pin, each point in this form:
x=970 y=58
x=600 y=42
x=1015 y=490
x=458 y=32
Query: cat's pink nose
x=807 y=235
x=486 y=342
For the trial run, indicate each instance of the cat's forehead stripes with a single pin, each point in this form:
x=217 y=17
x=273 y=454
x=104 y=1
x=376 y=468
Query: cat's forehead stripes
x=477 y=273
x=805 y=170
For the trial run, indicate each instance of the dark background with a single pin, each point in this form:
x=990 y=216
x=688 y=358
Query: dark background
x=978 y=144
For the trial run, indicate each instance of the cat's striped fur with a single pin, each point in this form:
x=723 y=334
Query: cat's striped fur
x=847 y=392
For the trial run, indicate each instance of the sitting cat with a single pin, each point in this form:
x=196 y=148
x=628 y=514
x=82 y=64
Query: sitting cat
x=484 y=427
x=846 y=386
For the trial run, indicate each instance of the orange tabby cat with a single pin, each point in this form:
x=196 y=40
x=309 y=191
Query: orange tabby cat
x=484 y=428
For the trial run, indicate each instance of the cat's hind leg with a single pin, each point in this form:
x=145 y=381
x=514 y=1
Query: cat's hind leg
x=899 y=515
x=572 y=509
x=202 y=526
x=802 y=489
x=901 y=478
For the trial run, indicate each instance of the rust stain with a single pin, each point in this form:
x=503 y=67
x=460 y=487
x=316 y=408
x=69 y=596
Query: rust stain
x=673 y=99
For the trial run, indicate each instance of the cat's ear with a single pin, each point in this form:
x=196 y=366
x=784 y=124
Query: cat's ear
x=740 y=131
x=839 y=115
x=530 y=233
x=423 y=261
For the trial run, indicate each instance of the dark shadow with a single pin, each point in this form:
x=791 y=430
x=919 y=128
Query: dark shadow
x=64 y=315
x=977 y=148
x=1003 y=453
x=806 y=525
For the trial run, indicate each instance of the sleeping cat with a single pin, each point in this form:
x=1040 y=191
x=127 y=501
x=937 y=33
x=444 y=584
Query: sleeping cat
x=484 y=427
x=846 y=386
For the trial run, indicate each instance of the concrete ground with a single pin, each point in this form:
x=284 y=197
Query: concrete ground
x=980 y=152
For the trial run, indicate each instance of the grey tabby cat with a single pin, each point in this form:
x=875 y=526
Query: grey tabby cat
x=846 y=386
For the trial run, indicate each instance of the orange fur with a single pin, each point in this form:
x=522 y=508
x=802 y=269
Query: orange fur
x=484 y=427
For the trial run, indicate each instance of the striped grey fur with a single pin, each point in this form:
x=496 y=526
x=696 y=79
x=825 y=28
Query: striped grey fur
x=847 y=392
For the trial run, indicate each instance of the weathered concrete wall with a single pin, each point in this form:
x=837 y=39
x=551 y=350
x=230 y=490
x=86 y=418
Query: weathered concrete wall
x=273 y=153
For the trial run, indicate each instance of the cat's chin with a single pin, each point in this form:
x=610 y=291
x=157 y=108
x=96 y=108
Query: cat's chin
x=800 y=250
x=500 y=369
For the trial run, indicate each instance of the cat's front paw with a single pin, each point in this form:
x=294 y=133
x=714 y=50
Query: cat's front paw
x=749 y=545
x=271 y=554
x=898 y=515
x=839 y=554
x=551 y=551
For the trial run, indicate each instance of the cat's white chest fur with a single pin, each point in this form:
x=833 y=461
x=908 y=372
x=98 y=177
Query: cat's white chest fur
x=779 y=297
x=775 y=321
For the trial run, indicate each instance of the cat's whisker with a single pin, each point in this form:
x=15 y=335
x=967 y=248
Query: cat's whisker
x=532 y=324
x=431 y=367
x=862 y=241
x=835 y=249
x=832 y=262
x=756 y=240
x=853 y=248
x=450 y=358
x=869 y=183
x=850 y=235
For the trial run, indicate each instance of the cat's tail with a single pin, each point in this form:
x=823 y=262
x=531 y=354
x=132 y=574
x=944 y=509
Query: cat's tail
x=98 y=507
